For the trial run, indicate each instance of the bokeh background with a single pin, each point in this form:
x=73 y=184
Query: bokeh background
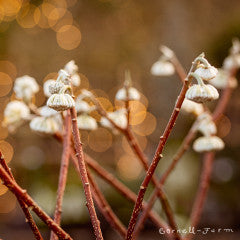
x=105 y=37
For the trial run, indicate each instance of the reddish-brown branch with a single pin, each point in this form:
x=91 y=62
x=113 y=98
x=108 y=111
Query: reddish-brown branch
x=202 y=191
x=133 y=143
x=181 y=150
x=156 y=159
x=29 y=218
x=120 y=187
x=22 y=194
x=63 y=171
x=162 y=196
x=106 y=209
x=84 y=177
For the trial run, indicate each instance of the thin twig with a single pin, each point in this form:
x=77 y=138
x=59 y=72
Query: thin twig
x=181 y=150
x=106 y=209
x=29 y=218
x=202 y=191
x=120 y=187
x=84 y=177
x=144 y=161
x=158 y=155
x=22 y=194
x=63 y=171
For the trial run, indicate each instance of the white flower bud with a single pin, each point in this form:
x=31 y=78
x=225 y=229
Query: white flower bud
x=133 y=94
x=86 y=122
x=232 y=61
x=47 y=125
x=75 y=80
x=202 y=93
x=25 y=87
x=192 y=107
x=119 y=118
x=14 y=114
x=63 y=77
x=206 y=125
x=45 y=111
x=61 y=101
x=55 y=87
x=71 y=68
x=222 y=80
x=83 y=106
x=208 y=144
x=162 y=68
x=206 y=73
x=46 y=87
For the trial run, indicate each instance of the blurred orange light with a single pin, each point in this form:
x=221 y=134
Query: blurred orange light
x=3 y=189
x=5 y=84
x=9 y=68
x=7 y=202
x=7 y=150
x=68 y=37
x=142 y=141
x=100 y=140
x=147 y=126
x=10 y=7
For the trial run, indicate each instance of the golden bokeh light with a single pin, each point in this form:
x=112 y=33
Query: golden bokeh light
x=66 y=19
x=52 y=75
x=137 y=112
x=224 y=126
x=100 y=140
x=99 y=93
x=129 y=167
x=71 y=3
x=5 y=84
x=142 y=141
x=7 y=202
x=68 y=37
x=147 y=126
x=10 y=7
x=29 y=16
x=39 y=98
x=7 y=150
x=3 y=132
x=3 y=189
x=9 y=68
x=106 y=104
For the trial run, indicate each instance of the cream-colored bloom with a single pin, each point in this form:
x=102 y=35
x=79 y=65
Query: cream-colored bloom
x=82 y=106
x=207 y=144
x=206 y=73
x=14 y=114
x=55 y=87
x=232 y=61
x=86 y=122
x=75 y=80
x=192 y=107
x=162 y=68
x=222 y=80
x=63 y=77
x=71 y=68
x=46 y=87
x=60 y=102
x=202 y=93
x=47 y=125
x=118 y=117
x=206 y=125
x=46 y=111
x=25 y=87
x=133 y=94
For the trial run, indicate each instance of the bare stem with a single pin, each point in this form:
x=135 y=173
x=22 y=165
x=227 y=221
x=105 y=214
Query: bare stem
x=29 y=218
x=22 y=194
x=106 y=209
x=180 y=152
x=63 y=171
x=202 y=191
x=158 y=155
x=84 y=177
x=120 y=187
